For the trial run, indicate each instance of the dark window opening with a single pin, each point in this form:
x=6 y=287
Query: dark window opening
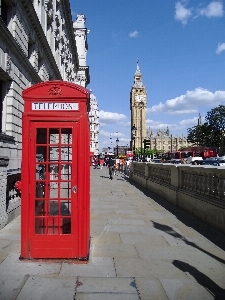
x=3 y=11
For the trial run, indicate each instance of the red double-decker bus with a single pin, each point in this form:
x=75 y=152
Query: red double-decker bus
x=196 y=151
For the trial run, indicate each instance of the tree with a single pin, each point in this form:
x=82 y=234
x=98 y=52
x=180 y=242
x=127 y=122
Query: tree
x=216 y=120
x=212 y=132
x=199 y=135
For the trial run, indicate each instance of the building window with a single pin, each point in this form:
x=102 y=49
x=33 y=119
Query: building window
x=3 y=11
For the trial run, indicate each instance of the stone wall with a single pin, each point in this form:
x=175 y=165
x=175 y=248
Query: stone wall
x=199 y=190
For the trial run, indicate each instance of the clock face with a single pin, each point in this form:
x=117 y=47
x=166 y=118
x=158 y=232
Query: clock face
x=138 y=98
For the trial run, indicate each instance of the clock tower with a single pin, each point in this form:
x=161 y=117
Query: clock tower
x=138 y=102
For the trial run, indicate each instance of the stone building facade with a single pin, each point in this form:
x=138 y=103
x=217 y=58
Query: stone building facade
x=37 y=43
x=163 y=141
x=94 y=124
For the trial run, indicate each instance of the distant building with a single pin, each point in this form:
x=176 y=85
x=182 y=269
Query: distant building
x=82 y=77
x=94 y=124
x=164 y=141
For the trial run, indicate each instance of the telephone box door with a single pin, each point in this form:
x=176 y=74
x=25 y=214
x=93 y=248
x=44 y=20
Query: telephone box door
x=53 y=228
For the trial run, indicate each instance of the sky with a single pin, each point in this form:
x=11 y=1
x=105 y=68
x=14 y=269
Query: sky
x=180 y=46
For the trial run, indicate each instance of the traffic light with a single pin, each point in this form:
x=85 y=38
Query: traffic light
x=146 y=144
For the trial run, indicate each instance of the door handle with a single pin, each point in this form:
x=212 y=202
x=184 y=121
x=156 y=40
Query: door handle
x=74 y=189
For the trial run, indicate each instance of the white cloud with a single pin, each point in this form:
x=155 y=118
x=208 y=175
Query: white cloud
x=182 y=13
x=106 y=117
x=220 y=48
x=190 y=102
x=175 y=128
x=214 y=9
x=134 y=34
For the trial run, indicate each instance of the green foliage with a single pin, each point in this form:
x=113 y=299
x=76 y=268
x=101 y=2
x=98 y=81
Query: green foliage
x=211 y=133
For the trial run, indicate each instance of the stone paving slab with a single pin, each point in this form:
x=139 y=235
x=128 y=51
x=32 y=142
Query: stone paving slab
x=107 y=285
x=97 y=267
x=37 y=288
x=106 y=296
x=138 y=239
x=138 y=267
x=10 y=285
x=12 y=264
x=184 y=289
x=9 y=246
x=150 y=288
x=107 y=238
x=114 y=250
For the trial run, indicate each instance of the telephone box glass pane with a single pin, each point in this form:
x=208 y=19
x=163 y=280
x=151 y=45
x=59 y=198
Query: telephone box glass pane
x=40 y=226
x=53 y=171
x=40 y=208
x=53 y=209
x=66 y=136
x=66 y=153
x=53 y=153
x=65 y=172
x=40 y=171
x=65 y=189
x=41 y=153
x=53 y=135
x=53 y=189
x=66 y=227
x=65 y=208
x=40 y=190
x=41 y=136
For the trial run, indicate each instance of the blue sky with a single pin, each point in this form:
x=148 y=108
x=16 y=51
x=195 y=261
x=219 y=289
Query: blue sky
x=181 y=50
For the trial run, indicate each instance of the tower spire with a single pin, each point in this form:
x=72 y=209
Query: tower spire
x=138 y=69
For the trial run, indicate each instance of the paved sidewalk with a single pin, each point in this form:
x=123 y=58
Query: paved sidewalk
x=141 y=248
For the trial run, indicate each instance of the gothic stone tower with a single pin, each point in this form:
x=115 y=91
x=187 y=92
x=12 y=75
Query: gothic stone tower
x=138 y=102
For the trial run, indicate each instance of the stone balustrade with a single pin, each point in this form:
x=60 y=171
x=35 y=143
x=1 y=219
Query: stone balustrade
x=199 y=190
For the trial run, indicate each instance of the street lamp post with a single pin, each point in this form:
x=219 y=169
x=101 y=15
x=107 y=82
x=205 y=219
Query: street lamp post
x=133 y=132
x=117 y=142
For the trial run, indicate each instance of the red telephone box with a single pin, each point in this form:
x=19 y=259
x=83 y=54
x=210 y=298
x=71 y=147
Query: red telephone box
x=55 y=181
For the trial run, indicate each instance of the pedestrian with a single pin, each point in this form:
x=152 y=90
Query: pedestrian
x=101 y=163
x=95 y=162
x=110 y=165
x=128 y=163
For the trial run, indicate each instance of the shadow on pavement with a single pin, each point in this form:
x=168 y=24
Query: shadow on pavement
x=175 y=234
x=202 y=279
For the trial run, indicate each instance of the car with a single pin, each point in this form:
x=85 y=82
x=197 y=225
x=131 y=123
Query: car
x=192 y=159
x=175 y=161
x=221 y=161
x=212 y=162
x=156 y=161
